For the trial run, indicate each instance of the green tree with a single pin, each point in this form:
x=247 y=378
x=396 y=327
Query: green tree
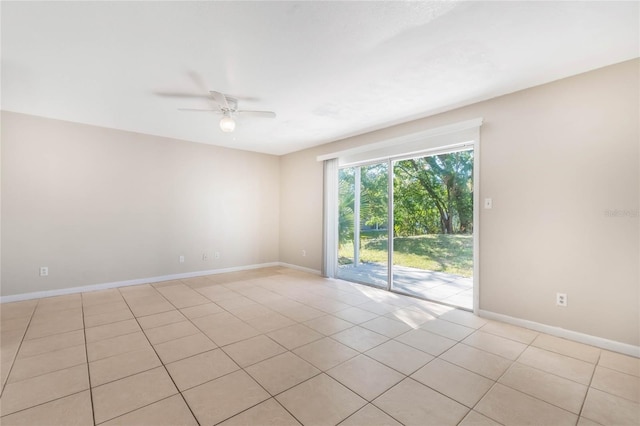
x=346 y=198
x=374 y=195
x=438 y=187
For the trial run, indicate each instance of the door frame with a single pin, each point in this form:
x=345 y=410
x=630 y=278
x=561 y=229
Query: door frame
x=448 y=138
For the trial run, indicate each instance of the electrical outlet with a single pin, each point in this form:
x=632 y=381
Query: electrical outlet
x=44 y=271
x=488 y=203
x=561 y=299
x=216 y=255
x=304 y=253
x=205 y=256
x=181 y=259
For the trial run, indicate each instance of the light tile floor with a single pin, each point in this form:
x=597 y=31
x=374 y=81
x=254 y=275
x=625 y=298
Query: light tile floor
x=280 y=347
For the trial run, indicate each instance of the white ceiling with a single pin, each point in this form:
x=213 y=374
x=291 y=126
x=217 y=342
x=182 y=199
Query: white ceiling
x=328 y=69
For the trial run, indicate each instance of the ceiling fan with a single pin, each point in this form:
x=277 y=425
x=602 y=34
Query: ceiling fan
x=227 y=106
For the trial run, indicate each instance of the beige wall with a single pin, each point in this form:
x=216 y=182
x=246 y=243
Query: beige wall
x=554 y=158
x=99 y=205
x=301 y=217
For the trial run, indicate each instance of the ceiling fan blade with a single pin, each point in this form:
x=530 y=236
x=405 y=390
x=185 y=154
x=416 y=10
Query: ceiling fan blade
x=264 y=114
x=244 y=98
x=220 y=99
x=215 y=111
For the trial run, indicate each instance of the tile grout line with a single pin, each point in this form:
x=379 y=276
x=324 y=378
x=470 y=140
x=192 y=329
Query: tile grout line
x=268 y=393
x=247 y=373
x=457 y=342
x=496 y=381
x=161 y=363
x=44 y=403
x=320 y=372
x=285 y=409
x=569 y=356
x=378 y=315
x=363 y=353
x=584 y=400
x=460 y=341
x=231 y=313
x=15 y=357
x=364 y=406
x=258 y=362
x=86 y=354
x=595 y=365
x=50 y=335
x=546 y=372
x=198 y=328
x=325 y=372
x=297 y=322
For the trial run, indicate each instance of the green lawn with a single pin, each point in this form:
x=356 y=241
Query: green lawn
x=452 y=254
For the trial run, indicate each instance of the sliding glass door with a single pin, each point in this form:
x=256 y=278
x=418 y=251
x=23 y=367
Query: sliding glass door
x=429 y=205
x=363 y=231
x=433 y=227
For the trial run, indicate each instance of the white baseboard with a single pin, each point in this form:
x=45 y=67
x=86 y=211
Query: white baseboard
x=588 y=339
x=300 y=268
x=125 y=283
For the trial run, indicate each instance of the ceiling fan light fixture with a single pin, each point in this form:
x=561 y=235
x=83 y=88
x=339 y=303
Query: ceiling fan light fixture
x=228 y=107
x=227 y=124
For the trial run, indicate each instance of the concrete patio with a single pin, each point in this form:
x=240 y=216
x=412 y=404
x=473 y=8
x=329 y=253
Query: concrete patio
x=437 y=286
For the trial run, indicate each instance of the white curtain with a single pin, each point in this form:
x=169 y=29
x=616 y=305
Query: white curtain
x=330 y=225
